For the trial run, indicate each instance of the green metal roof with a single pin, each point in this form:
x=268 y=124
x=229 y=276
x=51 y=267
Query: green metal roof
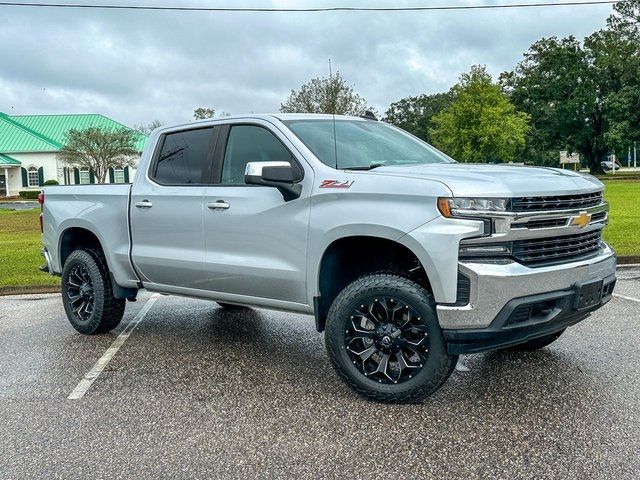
x=7 y=160
x=46 y=133
x=15 y=137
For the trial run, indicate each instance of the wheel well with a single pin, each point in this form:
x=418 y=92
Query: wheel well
x=349 y=258
x=77 y=239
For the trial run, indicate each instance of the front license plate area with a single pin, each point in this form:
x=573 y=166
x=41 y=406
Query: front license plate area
x=588 y=294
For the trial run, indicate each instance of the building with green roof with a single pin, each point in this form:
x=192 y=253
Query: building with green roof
x=29 y=145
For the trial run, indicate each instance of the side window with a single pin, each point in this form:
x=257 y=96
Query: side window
x=249 y=143
x=33 y=176
x=184 y=157
x=85 y=176
x=118 y=175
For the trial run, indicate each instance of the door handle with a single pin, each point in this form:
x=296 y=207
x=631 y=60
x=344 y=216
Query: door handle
x=220 y=204
x=144 y=204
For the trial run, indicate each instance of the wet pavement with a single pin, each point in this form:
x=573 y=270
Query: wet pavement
x=201 y=392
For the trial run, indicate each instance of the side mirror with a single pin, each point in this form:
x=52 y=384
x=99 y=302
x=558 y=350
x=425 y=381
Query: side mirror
x=280 y=175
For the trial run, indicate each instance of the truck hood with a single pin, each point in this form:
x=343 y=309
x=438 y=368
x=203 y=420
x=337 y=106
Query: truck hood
x=482 y=180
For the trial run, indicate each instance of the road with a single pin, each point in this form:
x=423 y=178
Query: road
x=200 y=392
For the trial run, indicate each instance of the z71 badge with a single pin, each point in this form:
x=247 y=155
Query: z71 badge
x=336 y=183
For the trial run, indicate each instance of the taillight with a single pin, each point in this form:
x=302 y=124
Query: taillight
x=41 y=202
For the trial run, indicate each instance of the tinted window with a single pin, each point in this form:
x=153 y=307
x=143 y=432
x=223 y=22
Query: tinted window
x=184 y=157
x=248 y=143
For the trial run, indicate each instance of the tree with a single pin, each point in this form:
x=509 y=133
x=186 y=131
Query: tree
x=202 y=113
x=99 y=149
x=580 y=96
x=554 y=85
x=626 y=17
x=480 y=125
x=415 y=114
x=148 y=128
x=330 y=95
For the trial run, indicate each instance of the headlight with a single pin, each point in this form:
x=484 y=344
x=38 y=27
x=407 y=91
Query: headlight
x=471 y=207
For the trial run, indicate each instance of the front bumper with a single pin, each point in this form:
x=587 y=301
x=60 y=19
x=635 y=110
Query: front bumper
x=497 y=289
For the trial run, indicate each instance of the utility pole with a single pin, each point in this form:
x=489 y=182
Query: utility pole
x=635 y=165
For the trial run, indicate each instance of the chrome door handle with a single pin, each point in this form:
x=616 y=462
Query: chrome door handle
x=220 y=204
x=144 y=204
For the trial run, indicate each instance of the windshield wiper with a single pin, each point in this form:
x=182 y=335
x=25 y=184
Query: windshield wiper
x=364 y=167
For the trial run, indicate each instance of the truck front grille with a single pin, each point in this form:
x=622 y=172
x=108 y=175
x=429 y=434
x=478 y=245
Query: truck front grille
x=562 y=249
x=560 y=202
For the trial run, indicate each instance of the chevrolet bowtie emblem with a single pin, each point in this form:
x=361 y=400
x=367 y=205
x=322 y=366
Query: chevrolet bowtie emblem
x=581 y=220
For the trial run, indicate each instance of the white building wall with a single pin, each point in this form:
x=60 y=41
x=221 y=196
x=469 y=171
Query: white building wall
x=47 y=160
x=52 y=170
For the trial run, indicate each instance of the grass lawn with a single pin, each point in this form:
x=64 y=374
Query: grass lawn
x=20 y=245
x=623 y=232
x=20 y=235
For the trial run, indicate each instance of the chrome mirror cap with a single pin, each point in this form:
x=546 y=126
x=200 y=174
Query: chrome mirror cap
x=254 y=169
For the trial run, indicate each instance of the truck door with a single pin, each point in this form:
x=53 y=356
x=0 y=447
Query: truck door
x=256 y=242
x=167 y=209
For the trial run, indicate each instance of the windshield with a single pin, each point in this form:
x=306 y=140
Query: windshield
x=363 y=144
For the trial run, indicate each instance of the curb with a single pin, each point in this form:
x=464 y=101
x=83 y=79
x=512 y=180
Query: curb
x=29 y=289
x=628 y=260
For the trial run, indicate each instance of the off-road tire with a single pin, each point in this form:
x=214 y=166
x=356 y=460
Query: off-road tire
x=107 y=310
x=439 y=363
x=231 y=306
x=537 y=343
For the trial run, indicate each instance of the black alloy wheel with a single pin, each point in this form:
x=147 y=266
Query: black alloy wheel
x=80 y=292
x=87 y=293
x=387 y=340
x=384 y=340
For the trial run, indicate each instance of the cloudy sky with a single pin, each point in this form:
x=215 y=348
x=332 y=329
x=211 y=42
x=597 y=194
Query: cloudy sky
x=139 y=66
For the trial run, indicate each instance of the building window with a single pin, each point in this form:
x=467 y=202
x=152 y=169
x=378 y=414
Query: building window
x=85 y=178
x=118 y=175
x=33 y=176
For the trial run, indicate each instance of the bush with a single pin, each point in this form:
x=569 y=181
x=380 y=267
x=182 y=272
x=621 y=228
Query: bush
x=51 y=182
x=29 y=194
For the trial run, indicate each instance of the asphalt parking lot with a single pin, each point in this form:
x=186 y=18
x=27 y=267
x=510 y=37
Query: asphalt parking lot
x=200 y=392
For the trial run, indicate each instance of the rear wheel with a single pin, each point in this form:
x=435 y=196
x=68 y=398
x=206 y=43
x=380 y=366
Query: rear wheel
x=384 y=340
x=87 y=294
x=538 y=343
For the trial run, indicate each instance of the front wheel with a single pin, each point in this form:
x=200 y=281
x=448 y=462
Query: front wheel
x=384 y=340
x=87 y=295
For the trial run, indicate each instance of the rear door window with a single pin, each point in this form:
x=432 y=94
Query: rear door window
x=185 y=157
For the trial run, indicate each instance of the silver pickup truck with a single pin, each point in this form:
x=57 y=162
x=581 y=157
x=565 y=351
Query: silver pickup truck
x=406 y=258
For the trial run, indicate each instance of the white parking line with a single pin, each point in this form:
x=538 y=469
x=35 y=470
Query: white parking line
x=93 y=374
x=627 y=298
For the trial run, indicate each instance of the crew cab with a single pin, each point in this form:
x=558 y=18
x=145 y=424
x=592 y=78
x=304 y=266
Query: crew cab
x=405 y=257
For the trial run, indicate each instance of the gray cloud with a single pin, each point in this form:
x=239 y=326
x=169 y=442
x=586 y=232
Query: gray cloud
x=139 y=66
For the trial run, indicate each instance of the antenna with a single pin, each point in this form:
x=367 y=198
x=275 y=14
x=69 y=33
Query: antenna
x=333 y=113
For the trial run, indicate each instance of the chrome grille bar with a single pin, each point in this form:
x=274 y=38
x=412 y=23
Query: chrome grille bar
x=559 y=202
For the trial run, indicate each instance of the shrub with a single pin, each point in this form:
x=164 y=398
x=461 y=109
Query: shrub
x=51 y=182
x=29 y=194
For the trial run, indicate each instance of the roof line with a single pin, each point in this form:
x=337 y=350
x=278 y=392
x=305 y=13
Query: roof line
x=50 y=141
x=77 y=115
x=53 y=114
x=10 y=159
